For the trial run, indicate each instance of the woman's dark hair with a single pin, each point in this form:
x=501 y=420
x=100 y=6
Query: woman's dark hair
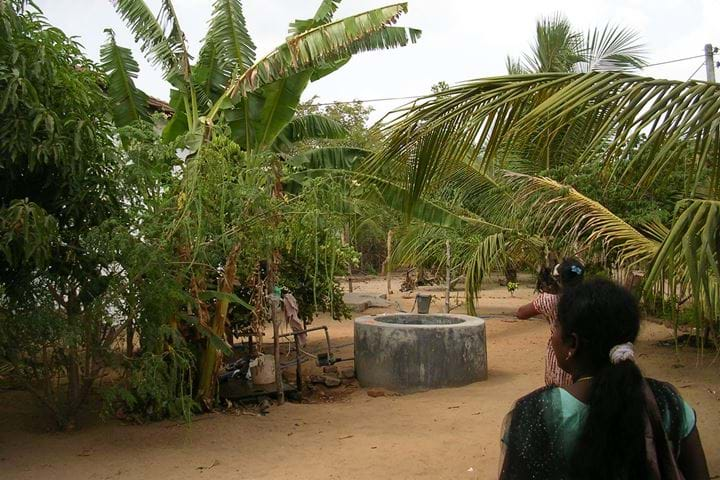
x=546 y=283
x=571 y=272
x=602 y=314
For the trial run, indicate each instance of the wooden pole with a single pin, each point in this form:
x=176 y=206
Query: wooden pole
x=346 y=241
x=388 y=268
x=298 y=367
x=448 y=274
x=276 y=350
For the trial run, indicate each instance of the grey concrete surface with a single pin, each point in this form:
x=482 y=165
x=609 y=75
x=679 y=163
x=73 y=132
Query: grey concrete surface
x=410 y=352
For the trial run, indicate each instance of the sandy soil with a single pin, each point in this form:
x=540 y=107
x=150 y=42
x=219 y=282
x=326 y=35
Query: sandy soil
x=451 y=433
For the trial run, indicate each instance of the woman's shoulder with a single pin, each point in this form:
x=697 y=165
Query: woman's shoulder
x=535 y=399
x=677 y=416
x=545 y=302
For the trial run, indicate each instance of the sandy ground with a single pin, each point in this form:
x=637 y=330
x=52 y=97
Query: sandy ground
x=450 y=433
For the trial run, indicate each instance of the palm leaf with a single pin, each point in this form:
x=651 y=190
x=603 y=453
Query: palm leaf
x=129 y=102
x=556 y=48
x=561 y=211
x=612 y=49
x=496 y=118
x=693 y=244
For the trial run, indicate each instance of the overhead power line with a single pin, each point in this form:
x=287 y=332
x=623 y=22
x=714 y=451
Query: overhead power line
x=412 y=97
x=673 y=61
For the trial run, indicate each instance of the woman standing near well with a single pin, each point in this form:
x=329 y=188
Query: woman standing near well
x=568 y=273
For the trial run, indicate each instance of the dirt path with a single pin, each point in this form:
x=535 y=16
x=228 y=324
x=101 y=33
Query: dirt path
x=451 y=433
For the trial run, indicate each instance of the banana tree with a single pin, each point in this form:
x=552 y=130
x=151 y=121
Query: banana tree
x=253 y=101
x=256 y=98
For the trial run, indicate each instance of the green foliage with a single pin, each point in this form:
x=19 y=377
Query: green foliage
x=58 y=161
x=156 y=386
x=560 y=48
x=654 y=205
x=129 y=103
x=314 y=253
x=352 y=117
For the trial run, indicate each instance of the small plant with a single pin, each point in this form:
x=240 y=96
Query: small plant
x=512 y=286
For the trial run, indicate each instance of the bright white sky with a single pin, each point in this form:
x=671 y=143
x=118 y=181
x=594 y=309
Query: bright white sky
x=462 y=39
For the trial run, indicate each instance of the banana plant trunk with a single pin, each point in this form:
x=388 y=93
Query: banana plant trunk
x=211 y=358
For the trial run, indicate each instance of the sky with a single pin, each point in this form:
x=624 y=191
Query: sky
x=461 y=40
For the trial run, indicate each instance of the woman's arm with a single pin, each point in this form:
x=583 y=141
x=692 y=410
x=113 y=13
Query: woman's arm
x=692 y=461
x=527 y=311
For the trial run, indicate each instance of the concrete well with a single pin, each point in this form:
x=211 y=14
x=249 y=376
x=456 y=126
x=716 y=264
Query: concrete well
x=410 y=352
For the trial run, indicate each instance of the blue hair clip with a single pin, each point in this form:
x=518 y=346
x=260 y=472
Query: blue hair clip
x=576 y=270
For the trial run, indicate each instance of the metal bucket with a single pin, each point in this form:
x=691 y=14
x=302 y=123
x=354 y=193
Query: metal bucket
x=423 y=302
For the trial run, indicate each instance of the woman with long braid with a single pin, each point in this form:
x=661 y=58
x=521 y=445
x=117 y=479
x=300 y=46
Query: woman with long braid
x=611 y=422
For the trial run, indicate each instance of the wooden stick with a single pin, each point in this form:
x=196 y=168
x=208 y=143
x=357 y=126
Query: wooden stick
x=447 y=277
x=276 y=351
x=388 y=269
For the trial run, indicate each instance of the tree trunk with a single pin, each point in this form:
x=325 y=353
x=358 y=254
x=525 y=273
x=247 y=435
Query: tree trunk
x=211 y=358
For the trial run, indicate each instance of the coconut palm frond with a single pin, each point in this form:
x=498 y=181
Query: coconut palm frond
x=420 y=244
x=493 y=119
x=613 y=48
x=557 y=46
x=129 y=102
x=515 y=66
x=562 y=211
x=694 y=243
x=489 y=253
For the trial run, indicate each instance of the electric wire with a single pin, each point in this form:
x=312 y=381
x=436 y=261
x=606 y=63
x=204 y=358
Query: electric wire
x=414 y=97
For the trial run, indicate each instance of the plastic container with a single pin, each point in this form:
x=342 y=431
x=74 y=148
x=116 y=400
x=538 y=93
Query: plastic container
x=264 y=372
x=423 y=302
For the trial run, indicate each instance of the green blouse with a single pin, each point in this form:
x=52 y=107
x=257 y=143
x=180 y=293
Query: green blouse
x=571 y=413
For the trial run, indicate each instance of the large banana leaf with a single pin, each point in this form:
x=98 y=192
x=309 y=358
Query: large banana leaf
x=210 y=74
x=323 y=15
x=281 y=98
x=330 y=158
x=150 y=33
x=327 y=43
x=129 y=102
x=308 y=127
x=228 y=32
